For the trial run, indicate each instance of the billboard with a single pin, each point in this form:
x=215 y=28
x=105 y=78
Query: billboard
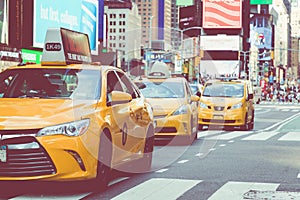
x=260 y=2
x=261 y=32
x=222 y=14
x=221 y=42
x=184 y=2
x=82 y=16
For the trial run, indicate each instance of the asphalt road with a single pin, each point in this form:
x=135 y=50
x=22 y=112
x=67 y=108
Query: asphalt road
x=257 y=164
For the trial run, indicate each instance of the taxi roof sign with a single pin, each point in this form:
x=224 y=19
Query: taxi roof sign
x=63 y=46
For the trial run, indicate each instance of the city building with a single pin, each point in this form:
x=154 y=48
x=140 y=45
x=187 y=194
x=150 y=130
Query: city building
x=156 y=21
x=295 y=33
x=123 y=30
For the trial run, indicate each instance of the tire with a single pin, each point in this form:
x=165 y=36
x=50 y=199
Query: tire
x=251 y=126
x=148 y=151
x=245 y=126
x=104 y=162
x=200 y=127
x=144 y=164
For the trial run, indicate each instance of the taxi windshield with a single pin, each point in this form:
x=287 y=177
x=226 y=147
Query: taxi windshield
x=163 y=90
x=224 y=90
x=50 y=83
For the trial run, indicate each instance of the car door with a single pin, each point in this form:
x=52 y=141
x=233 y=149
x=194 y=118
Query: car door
x=117 y=117
x=138 y=121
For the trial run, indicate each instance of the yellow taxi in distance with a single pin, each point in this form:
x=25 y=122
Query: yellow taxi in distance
x=174 y=105
x=227 y=102
x=71 y=120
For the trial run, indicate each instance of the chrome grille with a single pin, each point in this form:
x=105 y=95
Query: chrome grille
x=25 y=161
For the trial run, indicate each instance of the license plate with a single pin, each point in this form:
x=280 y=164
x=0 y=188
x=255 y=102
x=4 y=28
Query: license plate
x=3 y=154
x=218 y=117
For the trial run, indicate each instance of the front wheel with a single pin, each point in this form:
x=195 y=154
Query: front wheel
x=104 y=162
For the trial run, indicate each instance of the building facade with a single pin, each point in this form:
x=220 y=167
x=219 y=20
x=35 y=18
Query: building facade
x=123 y=31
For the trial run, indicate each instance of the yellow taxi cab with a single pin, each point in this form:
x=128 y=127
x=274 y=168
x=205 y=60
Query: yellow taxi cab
x=227 y=102
x=174 y=105
x=68 y=119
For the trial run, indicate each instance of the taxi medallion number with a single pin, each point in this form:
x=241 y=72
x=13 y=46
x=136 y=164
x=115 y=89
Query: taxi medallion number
x=3 y=154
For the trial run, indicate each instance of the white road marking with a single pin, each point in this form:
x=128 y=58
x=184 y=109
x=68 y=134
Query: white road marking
x=261 y=135
x=162 y=170
x=222 y=145
x=199 y=154
x=63 y=197
x=231 y=141
x=236 y=190
x=295 y=110
x=290 y=136
x=117 y=180
x=230 y=135
x=298 y=175
x=182 y=161
x=208 y=133
x=158 y=188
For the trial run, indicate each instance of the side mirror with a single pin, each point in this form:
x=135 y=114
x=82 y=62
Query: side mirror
x=195 y=98
x=118 y=97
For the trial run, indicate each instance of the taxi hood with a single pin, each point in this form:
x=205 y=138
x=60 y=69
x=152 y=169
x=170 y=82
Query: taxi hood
x=165 y=106
x=38 y=113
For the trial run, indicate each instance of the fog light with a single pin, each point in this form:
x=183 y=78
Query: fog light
x=77 y=158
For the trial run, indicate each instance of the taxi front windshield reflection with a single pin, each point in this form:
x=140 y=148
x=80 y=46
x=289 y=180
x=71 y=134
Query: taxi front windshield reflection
x=224 y=90
x=50 y=83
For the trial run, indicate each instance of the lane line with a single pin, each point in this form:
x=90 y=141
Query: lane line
x=182 y=161
x=162 y=170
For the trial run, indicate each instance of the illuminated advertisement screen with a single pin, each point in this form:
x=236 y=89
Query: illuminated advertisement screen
x=222 y=14
x=260 y=2
x=184 y=2
x=77 y=15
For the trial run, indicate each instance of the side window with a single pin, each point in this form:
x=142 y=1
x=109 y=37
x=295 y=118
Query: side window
x=127 y=85
x=113 y=84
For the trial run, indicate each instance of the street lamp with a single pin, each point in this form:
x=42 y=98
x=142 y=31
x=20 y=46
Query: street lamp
x=150 y=31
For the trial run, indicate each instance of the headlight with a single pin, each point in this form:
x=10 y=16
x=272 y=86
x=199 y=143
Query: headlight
x=75 y=128
x=181 y=110
x=203 y=105
x=239 y=105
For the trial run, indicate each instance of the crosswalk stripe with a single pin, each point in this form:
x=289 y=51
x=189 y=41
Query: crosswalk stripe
x=230 y=135
x=261 y=136
x=63 y=197
x=208 y=133
x=158 y=188
x=290 y=136
x=236 y=190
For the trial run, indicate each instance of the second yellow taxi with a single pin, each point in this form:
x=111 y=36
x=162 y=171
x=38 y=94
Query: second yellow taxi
x=227 y=102
x=174 y=105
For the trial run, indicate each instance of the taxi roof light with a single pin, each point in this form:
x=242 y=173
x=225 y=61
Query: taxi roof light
x=64 y=46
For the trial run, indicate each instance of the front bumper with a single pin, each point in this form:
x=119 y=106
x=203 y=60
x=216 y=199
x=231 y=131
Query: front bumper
x=54 y=157
x=169 y=126
x=234 y=117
